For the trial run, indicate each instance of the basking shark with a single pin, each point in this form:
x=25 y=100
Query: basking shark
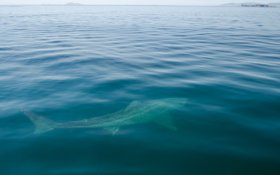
x=137 y=112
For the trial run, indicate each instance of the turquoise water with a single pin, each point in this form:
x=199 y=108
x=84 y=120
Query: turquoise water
x=78 y=63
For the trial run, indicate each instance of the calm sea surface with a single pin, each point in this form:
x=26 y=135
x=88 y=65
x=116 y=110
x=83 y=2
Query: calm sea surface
x=76 y=63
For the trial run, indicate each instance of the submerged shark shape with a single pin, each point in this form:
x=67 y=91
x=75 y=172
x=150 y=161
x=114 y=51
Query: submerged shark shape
x=136 y=112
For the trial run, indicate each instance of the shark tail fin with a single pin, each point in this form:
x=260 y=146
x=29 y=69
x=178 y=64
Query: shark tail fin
x=42 y=124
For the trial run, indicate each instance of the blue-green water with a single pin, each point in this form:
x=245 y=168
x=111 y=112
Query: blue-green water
x=74 y=63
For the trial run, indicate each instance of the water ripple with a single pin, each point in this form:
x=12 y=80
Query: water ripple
x=72 y=63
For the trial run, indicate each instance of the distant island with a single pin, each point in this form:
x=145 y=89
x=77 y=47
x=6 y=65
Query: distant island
x=252 y=4
x=73 y=4
x=67 y=4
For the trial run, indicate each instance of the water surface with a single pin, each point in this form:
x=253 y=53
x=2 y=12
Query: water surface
x=74 y=63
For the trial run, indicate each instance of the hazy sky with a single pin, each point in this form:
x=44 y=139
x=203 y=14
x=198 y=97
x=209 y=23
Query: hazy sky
x=155 y=2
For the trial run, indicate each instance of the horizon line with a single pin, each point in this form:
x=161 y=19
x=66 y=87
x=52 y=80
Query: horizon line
x=107 y=5
x=80 y=4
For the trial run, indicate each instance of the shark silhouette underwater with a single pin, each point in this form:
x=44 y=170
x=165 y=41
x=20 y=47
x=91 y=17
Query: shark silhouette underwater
x=157 y=111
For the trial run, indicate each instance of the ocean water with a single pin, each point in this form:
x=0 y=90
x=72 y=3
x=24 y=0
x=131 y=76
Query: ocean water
x=75 y=63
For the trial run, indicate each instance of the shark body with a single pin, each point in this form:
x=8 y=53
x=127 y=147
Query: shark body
x=136 y=112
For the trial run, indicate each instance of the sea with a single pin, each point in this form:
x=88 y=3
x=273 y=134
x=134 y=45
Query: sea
x=77 y=63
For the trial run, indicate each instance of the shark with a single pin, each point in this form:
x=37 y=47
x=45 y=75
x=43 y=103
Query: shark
x=137 y=112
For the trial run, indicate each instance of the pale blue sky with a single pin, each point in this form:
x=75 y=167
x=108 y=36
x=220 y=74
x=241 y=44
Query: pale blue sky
x=132 y=2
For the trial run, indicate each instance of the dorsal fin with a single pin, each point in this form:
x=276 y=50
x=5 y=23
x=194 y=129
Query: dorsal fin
x=132 y=105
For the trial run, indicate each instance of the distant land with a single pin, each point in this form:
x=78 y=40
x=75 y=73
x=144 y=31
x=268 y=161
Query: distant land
x=251 y=4
x=67 y=4
x=248 y=4
x=73 y=4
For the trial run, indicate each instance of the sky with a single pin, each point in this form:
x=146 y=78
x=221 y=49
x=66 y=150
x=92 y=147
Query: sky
x=134 y=2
